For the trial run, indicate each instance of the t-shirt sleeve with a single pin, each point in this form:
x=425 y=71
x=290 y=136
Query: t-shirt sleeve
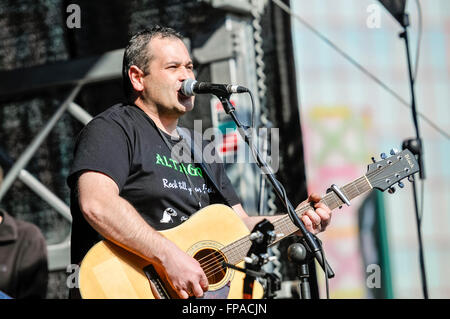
x=102 y=146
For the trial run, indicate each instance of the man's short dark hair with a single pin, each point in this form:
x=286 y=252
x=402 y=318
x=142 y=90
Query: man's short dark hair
x=137 y=52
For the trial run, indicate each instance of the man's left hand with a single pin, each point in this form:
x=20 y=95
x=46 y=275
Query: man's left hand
x=316 y=220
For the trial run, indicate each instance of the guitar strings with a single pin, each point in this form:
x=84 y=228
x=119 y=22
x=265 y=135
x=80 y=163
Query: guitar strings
x=240 y=241
x=213 y=265
x=211 y=269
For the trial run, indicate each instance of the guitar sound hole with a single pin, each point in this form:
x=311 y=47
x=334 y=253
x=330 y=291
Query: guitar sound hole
x=211 y=262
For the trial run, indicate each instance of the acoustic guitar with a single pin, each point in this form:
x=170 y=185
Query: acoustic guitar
x=213 y=235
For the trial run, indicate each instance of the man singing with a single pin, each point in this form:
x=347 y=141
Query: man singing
x=124 y=182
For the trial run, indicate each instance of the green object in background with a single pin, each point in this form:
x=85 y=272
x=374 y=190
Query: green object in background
x=374 y=244
x=227 y=125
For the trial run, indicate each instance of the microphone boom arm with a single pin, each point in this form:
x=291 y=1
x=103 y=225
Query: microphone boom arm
x=310 y=240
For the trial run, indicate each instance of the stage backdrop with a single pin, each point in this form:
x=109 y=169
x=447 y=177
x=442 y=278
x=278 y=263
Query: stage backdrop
x=41 y=44
x=347 y=117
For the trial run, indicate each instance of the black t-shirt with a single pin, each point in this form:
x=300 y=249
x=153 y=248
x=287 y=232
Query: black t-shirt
x=125 y=144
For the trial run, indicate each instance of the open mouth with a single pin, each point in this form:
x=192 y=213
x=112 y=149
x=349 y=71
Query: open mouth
x=183 y=99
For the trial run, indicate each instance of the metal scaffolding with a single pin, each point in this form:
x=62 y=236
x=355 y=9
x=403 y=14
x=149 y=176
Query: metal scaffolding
x=104 y=68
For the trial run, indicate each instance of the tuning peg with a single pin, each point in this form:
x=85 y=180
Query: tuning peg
x=272 y=235
x=394 y=151
x=391 y=190
x=256 y=236
x=401 y=185
x=383 y=156
x=253 y=259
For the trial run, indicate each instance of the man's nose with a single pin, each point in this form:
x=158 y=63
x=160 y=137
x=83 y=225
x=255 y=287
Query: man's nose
x=186 y=73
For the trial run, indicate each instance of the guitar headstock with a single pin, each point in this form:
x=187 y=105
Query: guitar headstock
x=391 y=170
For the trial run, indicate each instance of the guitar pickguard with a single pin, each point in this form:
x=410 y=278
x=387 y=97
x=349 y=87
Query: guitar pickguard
x=221 y=293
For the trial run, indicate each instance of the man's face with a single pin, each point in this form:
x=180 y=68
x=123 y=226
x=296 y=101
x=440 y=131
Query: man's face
x=169 y=67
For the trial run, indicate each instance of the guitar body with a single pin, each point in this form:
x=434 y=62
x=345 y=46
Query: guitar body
x=111 y=272
x=214 y=235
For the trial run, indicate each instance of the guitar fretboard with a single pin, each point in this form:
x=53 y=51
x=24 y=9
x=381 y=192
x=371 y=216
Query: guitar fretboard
x=236 y=251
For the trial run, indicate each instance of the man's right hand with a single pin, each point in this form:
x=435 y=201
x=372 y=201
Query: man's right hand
x=184 y=272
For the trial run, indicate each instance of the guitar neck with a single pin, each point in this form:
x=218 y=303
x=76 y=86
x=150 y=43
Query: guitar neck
x=351 y=190
x=284 y=227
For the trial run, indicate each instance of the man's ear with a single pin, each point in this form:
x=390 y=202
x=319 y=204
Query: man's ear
x=136 y=78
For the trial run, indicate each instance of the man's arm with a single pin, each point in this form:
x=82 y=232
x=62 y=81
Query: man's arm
x=315 y=220
x=118 y=221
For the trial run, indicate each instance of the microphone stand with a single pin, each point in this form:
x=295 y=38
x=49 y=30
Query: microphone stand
x=298 y=254
x=415 y=146
x=310 y=240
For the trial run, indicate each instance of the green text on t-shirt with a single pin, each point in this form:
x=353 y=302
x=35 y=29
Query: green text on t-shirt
x=189 y=169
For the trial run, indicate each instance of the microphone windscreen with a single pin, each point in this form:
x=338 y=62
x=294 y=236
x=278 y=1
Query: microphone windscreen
x=187 y=87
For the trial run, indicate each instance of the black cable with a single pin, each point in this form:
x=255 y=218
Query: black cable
x=252 y=148
x=419 y=211
x=326 y=273
x=416 y=68
x=419 y=39
x=252 y=125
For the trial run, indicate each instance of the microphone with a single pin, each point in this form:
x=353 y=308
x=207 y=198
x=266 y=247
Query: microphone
x=190 y=87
